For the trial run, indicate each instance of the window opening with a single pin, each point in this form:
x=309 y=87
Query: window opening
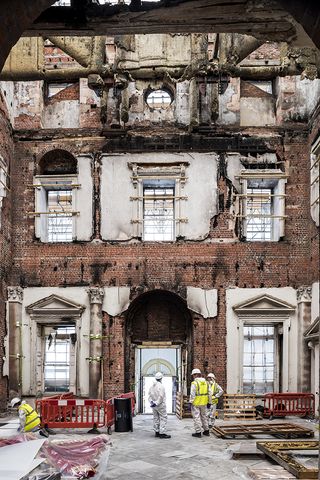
x=54 y=88
x=159 y=99
x=57 y=359
x=259 y=210
x=262 y=204
x=60 y=215
x=158 y=211
x=314 y=180
x=259 y=359
x=62 y=3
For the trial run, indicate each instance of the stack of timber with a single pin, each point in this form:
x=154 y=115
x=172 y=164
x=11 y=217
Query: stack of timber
x=249 y=430
x=239 y=406
x=183 y=408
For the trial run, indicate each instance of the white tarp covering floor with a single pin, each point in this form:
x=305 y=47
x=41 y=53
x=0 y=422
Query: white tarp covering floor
x=18 y=460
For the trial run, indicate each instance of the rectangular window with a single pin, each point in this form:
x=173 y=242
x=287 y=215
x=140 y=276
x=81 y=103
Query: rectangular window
x=159 y=200
x=60 y=215
x=57 y=360
x=262 y=205
x=259 y=359
x=55 y=214
x=259 y=211
x=158 y=210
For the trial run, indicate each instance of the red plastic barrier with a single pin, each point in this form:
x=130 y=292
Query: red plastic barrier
x=72 y=413
x=282 y=404
x=42 y=406
x=109 y=412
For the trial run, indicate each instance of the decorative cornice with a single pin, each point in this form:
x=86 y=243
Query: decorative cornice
x=96 y=294
x=304 y=294
x=15 y=294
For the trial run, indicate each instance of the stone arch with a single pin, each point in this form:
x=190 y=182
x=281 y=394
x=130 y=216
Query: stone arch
x=57 y=162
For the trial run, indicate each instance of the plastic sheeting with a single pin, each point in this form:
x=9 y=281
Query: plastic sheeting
x=79 y=459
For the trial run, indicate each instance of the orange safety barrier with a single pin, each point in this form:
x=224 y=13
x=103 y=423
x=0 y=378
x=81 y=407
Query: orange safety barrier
x=109 y=413
x=72 y=413
x=42 y=406
x=282 y=404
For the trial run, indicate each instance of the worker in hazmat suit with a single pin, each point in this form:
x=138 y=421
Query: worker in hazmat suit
x=157 y=399
x=200 y=399
x=216 y=392
x=28 y=417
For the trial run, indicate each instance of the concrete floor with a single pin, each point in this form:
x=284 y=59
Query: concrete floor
x=139 y=455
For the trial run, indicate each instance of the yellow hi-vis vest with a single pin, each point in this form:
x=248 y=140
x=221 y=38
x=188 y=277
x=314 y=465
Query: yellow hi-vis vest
x=214 y=390
x=202 y=392
x=32 y=418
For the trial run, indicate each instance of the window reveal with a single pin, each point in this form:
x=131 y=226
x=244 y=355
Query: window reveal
x=259 y=359
x=60 y=215
x=159 y=205
x=57 y=359
x=158 y=212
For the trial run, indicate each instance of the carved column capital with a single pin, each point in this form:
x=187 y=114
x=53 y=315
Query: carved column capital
x=96 y=294
x=304 y=294
x=15 y=294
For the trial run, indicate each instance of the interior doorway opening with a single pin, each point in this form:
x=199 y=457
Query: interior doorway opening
x=149 y=361
x=158 y=339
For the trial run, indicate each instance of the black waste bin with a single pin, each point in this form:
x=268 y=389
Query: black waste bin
x=122 y=415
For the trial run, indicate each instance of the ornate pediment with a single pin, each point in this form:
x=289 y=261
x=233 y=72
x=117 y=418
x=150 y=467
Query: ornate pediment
x=312 y=332
x=264 y=304
x=55 y=306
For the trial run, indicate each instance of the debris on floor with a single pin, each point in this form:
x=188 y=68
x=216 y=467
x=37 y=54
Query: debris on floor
x=25 y=457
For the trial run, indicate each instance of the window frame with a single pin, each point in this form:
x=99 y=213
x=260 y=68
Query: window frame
x=162 y=172
x=43 y=184
x=273 y=180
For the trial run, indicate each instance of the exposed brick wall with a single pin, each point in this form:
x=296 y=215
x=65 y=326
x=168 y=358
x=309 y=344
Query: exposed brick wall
x=220 y=264
x=6 y=152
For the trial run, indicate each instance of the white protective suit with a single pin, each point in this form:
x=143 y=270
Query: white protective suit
x=157 y=394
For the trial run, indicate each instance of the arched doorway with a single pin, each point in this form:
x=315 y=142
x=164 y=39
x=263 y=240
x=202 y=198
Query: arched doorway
x=158 y=338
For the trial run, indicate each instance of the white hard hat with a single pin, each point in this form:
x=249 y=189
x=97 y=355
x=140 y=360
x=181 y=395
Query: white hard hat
x=211 y=375
x=14 y=401
x=158 y=376
x=195 y=370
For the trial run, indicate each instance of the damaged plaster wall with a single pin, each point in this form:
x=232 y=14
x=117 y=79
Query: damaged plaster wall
x=84 y=199
x=234 y=339
x=116 y=300
x=7 y=92
x=204 y=302
x=117 y=188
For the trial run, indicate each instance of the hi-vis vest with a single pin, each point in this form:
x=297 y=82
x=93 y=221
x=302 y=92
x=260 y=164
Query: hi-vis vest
x=214 y=390
x=32 y=418
x=202 y=392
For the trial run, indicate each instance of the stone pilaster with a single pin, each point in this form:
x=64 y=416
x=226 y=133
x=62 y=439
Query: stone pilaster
x=95 y=372
x=15 y=297
x=304 y=320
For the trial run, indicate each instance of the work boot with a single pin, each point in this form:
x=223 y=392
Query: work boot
x=164 y=435
x=43 y=433
x=157 y=434
x=197 y=434
x=206 y=433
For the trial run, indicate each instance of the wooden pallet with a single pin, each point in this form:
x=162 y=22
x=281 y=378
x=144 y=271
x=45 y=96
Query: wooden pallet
x=279 y=430
x=284 y=453
x=183 y=409
x=239 y=406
